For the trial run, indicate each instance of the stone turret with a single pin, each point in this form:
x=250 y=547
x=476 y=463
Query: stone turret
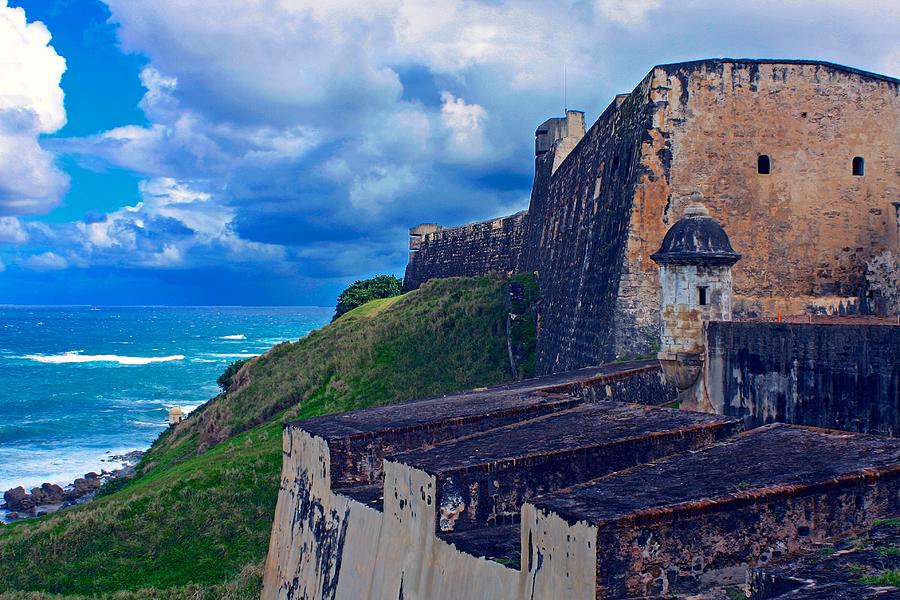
x=559 y=135
x=418 y=233
x=695 y=262
x=176 y=415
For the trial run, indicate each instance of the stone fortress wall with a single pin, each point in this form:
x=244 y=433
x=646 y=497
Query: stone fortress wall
x=605 y=482
x=840 y=376
x=493 y=246
x=563 y=487
x=601 y=203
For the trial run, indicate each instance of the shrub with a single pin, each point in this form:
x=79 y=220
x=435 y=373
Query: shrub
x=231 y=370
x=383 y=286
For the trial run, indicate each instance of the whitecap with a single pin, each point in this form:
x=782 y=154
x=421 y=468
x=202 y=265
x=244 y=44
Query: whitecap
x=238 y=336
x=148 y=424
x=203 y=360
x=78 y=357
x=34 y=466
x=235 y=355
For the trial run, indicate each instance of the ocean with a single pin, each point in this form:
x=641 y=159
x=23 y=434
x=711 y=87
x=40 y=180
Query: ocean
x=81 y=384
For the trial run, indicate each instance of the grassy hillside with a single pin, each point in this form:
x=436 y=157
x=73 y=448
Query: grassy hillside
x=195 y=522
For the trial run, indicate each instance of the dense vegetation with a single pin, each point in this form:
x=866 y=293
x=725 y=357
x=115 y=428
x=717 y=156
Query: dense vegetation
x=383 y=286
x=195 y=521
x=224 y=380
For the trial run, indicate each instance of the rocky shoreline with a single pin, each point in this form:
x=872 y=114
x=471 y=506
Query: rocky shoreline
x=50 y=497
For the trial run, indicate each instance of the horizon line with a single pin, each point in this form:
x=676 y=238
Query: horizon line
x=7 y=305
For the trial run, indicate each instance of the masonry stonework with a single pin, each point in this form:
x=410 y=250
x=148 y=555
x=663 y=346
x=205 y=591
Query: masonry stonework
x=809 y=225
x=843 y=376
x=493 y=246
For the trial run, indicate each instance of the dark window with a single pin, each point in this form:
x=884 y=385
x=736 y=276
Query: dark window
x=859 y=166
x=701 y=295
x=763 y=164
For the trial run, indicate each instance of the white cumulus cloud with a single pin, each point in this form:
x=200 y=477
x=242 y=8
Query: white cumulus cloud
x=313 y=133
x=12 y=231
x=47 y=261
x=31 y=103
x=627 y=12
x=465 y=127
x=175 y=225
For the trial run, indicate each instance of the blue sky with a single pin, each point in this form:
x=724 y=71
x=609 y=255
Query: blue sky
x=258 y=152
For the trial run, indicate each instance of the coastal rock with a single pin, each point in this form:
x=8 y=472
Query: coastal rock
x=50 y=497
x=48 y=493
x=129 y=458
x=85 y=486
x=17 y=499
x=38 y=495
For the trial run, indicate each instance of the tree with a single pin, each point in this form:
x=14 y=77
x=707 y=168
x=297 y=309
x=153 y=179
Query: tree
x=231 y=370
x=383 y=286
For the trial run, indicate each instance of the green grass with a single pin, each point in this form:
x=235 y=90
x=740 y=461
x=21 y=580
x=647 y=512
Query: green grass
x=735 y=594
x=886 y=577
x=892 y=522
x=245 y=585
x=523 y=329
x=195 y=521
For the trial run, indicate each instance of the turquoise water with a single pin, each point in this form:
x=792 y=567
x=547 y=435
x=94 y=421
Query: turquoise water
x=79 y=384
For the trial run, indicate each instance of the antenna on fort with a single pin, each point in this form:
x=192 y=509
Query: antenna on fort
x=565 y=88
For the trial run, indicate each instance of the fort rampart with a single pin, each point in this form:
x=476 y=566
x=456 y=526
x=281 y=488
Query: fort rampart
x=836 y=376
x=493 y=246
x=796 y=159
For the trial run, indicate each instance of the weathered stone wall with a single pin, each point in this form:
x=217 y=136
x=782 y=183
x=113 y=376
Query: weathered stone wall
x=836 y=376
x=644 y=385
x=493 y=246
x=331 y=541
x=492 y=493
x=685 y=523
x=327 y=546
x=670 y=554
x=598 y=210
x=806 y=230
x=578 y=229
x=682 y=315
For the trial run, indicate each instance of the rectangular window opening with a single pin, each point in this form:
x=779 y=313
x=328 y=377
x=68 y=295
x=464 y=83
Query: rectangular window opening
x=701 y=295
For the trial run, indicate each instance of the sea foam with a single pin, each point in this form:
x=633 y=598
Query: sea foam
x=239 y=336
x=78 y=357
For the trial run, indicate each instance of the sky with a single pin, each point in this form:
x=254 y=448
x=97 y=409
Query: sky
x=269 y=152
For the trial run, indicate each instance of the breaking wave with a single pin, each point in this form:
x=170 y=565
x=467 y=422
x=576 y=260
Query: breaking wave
x=155 y=424
x=239 y=336
x=78 y=357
